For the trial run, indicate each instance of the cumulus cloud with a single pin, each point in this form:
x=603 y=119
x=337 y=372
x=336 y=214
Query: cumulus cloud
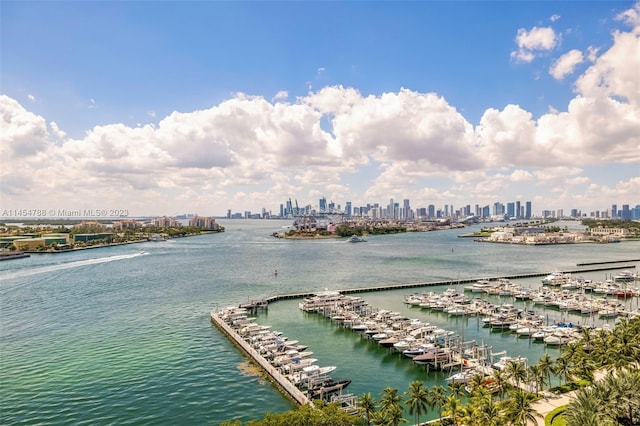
x=615 y=72
x=401 y=143
x=530 y=43
x=23 y=134
x=566 y=64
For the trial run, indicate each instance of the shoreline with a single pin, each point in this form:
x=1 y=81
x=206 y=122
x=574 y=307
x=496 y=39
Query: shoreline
x=97 y=246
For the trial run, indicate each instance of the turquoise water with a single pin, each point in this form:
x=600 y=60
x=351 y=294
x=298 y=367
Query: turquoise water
x=122 y=335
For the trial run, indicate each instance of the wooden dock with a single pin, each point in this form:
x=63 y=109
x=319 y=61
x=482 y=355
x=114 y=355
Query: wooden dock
x=273 y=374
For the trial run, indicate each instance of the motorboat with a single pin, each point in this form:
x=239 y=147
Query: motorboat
x=356 y=239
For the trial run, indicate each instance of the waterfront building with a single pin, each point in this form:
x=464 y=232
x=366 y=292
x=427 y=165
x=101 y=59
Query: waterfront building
x=165 y=222
x=127 y=224
x=85 y=238
x=617 y=232
x=204 y=222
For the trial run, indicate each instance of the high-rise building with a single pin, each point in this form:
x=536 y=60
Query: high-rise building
x=614 y=211
x=518 y=210
x=625 y=213
x=511 y=209
x=322 y=205
x=347 y=209
x=527 y=210
x=431 y=210
x=407 y=209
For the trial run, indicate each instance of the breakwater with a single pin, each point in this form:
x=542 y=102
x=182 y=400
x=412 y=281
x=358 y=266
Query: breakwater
x=273 y=374
x=597 y=266
x=610 y=262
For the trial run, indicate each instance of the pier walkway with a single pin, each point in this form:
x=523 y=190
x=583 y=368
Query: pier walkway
x=285 y=385
x=595 y=267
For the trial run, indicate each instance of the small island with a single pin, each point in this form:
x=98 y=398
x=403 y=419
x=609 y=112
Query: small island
x=315 y=228
x=545 y=234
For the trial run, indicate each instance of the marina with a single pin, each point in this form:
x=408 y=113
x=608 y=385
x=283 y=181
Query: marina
x=112 y=336
x=437 y=349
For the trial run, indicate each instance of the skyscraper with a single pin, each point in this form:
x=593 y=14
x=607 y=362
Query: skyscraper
x=407 y=209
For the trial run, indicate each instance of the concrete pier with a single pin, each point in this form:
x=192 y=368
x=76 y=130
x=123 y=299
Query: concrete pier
x=285 y=385
x=597 y=266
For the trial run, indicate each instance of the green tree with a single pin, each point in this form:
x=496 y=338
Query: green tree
x=390 y=405
x=417 y=399
x=516 y=370
x=562 y=368
x=518 y=407
x=456 y=389
x=453 y=409
x=366 y=407
x=546 y=367
x=438 y=396
x=500 y=379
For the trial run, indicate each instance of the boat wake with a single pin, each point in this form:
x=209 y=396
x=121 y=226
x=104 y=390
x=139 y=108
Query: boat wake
x=76 y=264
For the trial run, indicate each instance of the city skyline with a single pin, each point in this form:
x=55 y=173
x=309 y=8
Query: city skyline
x=165 y=108
x=406 y=210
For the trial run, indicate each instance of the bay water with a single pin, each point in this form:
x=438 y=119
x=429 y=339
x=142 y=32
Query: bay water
x=122 y=335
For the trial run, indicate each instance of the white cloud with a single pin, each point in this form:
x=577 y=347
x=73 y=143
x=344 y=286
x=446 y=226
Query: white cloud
x=31 y=97
x=537 y=40
x=554 y=18
x=615 y=72
x=592 y=53
x=566 y=64
x=402 y=144
x=631 y=17
x=281 y=95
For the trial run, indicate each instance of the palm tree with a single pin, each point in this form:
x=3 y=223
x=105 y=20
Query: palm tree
x=500 y=377
x=438 y=398
x=562 y=368
x=394 y=416
x=517 y=407
x=546 y=367
x=456 y=388
x=453 y=409
x=475 y=383
x=470 y=416
x=489 y=413
x=417 y=399
x=584 y=409
x=389 y=401
x=516 y=370
x=587 y=339
x=366 y=407
x=537 y=376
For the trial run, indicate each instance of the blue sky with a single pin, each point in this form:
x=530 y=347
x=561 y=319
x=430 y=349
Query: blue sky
x=200 y=107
